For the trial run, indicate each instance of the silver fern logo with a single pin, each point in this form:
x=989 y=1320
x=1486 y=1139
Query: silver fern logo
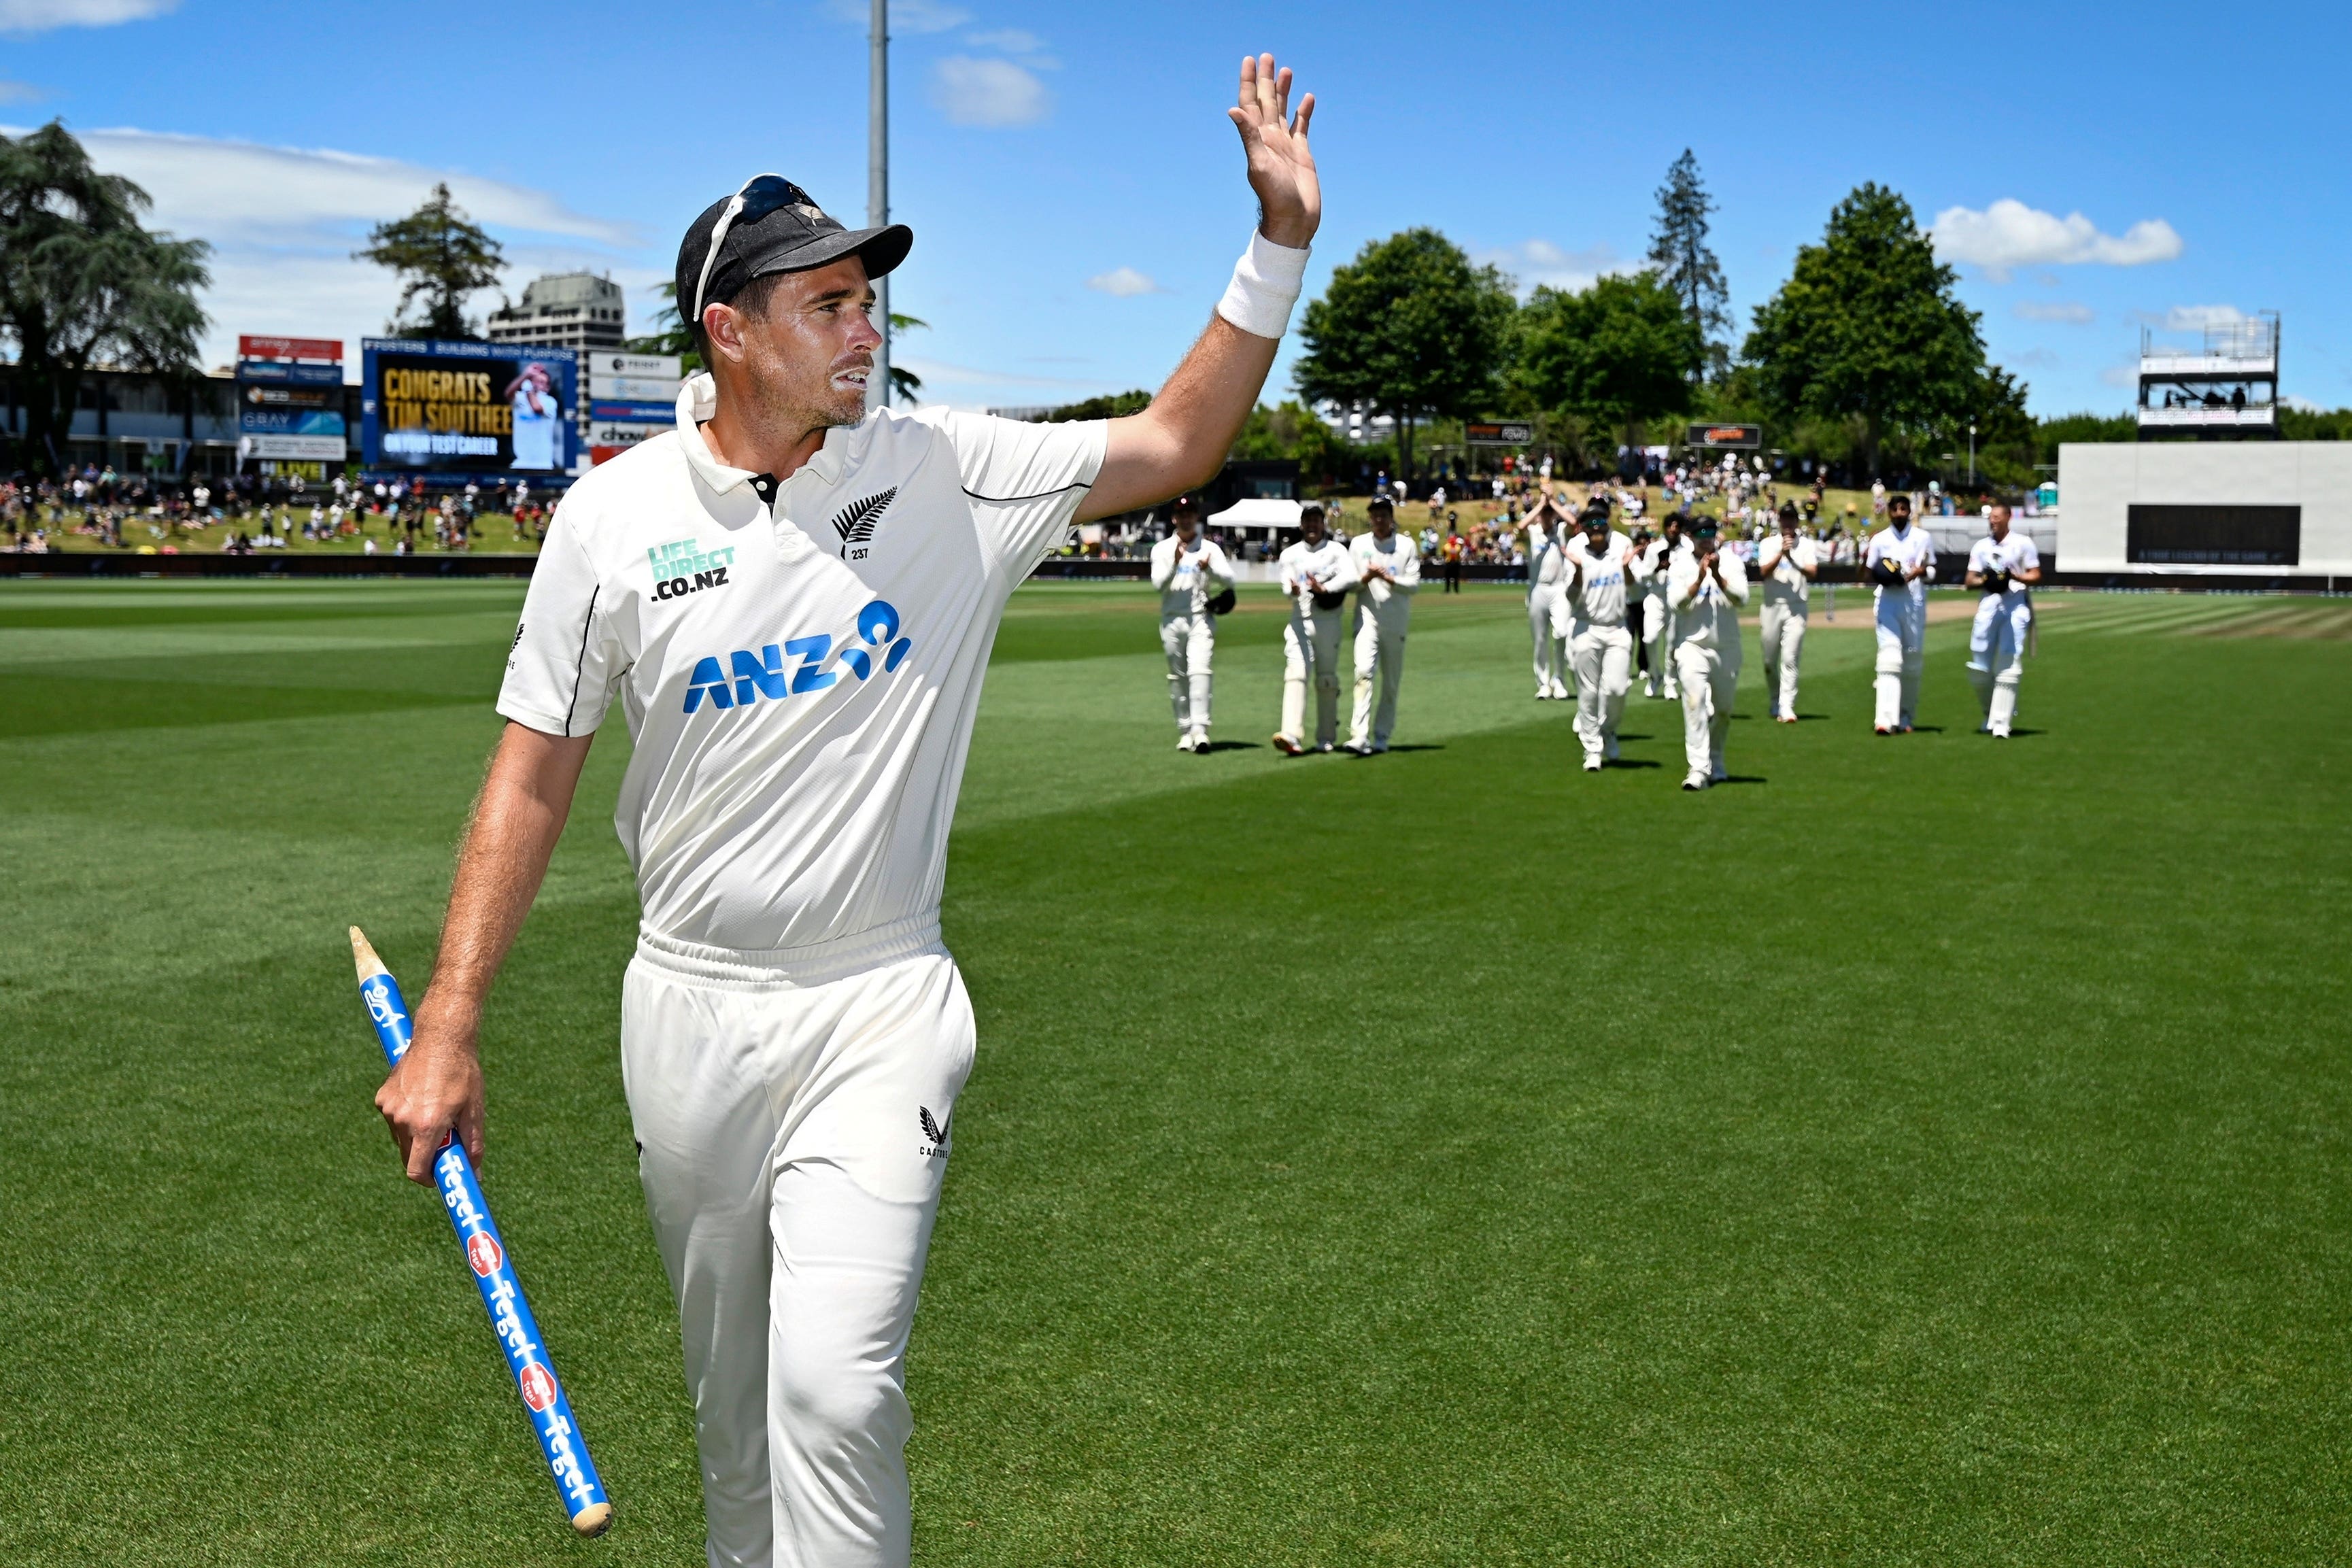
x=856 y=522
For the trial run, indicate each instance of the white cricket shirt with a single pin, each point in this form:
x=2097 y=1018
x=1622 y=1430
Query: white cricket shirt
x=1547 y=568
x=1600 y=588
x=1398 y=558
x=1324 y=568
x=800 y=682
x=1711 y=620
x=1783 y=567
x=2015 y=553
x=1188 y=580
x=1907 y=548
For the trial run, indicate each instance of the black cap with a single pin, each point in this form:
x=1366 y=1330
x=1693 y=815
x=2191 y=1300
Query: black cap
x=792 y=236
x=1379 y=503
x=1188 y=501
x=1595 y=512
x=1700 y=523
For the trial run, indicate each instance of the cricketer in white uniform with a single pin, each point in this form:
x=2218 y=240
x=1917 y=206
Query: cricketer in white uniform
x=1599 y=562
x=1547 y=578
x=1707 y=587
x=793 y=601
x=1788 y=563
x=1316 y=572
x=2005 y=565
x=1387 y=570
x=1897 y=559
x=1657 y=615
x=1189 y=571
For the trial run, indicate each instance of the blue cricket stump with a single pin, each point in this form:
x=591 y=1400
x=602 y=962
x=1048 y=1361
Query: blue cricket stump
x=560 y=1439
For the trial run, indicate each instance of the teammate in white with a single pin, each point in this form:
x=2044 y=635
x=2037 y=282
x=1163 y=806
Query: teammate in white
x=1657 y=615
x=1598 y=565
x=1547 y=577
x=1387 y=574
x=1898 y=559
x=1706 y=585
x=2005 y=564
x=794 y=599
x=1316 y=572
x=1189 y=571
x=1788 y=563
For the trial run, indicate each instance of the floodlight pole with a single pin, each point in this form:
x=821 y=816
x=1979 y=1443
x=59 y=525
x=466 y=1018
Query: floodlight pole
x=878 y=187
x=1972 y=429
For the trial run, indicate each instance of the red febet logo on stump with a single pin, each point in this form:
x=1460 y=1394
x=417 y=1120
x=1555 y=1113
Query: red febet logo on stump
x=482 y=1252
x=538 y=1386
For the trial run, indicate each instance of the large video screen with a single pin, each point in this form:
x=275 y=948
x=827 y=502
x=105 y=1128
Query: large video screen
x=2224 y=535
x=438 y=406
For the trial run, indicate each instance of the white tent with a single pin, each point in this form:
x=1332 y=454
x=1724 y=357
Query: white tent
x=1258 y=512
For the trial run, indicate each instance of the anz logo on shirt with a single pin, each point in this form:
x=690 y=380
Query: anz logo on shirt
x=750 y=675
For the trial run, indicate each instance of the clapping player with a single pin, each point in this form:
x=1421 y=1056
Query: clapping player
x=2003 y=566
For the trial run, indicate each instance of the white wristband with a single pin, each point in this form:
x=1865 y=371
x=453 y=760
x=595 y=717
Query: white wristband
x=1265 y=285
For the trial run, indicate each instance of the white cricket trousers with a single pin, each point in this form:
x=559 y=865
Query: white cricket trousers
x=1310 y=650
x=1997 y=655
x=1784 y=645
x=1191 y=642
x=1551 y=654
x=1709 y=681
x=793 y=1112
x=1902 y=649
x=1380 y=654
x=1605 y=673
x=1657 y=636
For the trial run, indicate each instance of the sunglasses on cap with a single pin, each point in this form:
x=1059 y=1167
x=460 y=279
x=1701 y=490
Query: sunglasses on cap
x=761 y=194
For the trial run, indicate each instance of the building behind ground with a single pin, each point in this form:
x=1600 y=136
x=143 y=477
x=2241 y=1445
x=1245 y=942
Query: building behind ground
x=565 y=311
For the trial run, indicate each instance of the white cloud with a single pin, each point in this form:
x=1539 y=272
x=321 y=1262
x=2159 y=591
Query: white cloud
x=41 y=16
x=906 y=15
x=1006 y=40
x=1536 y=262
x=2197 y=318
x=2121 y=374
x=284 y=221
x=20 y=93
x=2303 y=406
x=2009 y=235
x=1124 y=283
x=988 y=92
x=2065 y=311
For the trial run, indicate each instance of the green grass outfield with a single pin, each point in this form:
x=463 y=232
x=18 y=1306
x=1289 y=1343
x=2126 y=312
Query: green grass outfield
x=1930 y=1150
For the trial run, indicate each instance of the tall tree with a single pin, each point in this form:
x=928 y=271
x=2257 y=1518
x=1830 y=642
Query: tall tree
x=1867 y=327
x=82 y=282
x=1408 y=328
x=1620 y=352
x=439 y=253
x=1679 y=251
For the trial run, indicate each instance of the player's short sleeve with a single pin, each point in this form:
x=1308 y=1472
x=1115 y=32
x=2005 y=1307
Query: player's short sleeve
x=565 y=663
x=2028 y=557
x=1026 y=481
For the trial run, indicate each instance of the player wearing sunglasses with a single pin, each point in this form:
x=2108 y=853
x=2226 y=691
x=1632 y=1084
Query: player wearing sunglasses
x=793 y=598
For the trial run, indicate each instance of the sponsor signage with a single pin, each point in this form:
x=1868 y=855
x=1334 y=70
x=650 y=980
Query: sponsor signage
x=286 y=372
x=448 y=406
x=1503 y=433
x=1724 y=438
x=606 y=361
x=637 y=388
x=251 y=347
x=301 y=449
x=289 y=399
x=630 y=411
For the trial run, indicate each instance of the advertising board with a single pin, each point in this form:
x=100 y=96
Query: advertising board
x=447 y=406
x=1724 y=438
x=289 y=399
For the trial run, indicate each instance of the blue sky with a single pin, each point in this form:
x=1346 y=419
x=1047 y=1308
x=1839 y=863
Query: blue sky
x=1076 y=192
